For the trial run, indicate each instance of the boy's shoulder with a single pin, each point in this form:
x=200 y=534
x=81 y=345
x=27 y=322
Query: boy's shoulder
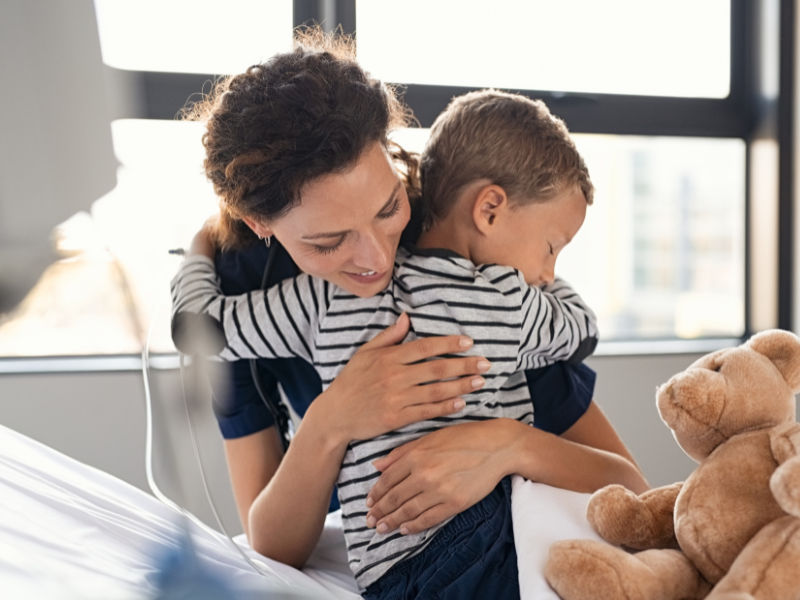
x=447 y=264
x=433 y=261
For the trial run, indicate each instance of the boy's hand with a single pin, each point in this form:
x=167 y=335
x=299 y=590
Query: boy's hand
x=204 y=241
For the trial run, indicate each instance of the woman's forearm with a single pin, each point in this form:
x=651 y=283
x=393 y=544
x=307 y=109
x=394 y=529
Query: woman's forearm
x=560 y=462
x=287 y=517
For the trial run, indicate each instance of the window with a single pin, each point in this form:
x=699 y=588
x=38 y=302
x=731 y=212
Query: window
x=191 y=36
x=661 y=253
x=113 y=280
x=658 y=96
x=678 y=48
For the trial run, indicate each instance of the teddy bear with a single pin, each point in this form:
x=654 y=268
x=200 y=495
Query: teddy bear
x=731 y=530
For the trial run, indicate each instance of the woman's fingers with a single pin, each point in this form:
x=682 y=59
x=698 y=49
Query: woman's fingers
x=437 y=391
x=404 y=501
x=444 y=369
x=423 y=348
x=432 y=478
x=387 y=481
x=416 y=413
x=384 y=462
x=408 y=512
x=433 y=516
x=416 y=513
x=388 y=384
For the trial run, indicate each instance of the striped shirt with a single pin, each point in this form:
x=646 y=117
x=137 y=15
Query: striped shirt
x=514 y=325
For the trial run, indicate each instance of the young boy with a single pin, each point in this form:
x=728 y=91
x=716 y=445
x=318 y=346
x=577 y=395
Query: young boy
x=501 y=176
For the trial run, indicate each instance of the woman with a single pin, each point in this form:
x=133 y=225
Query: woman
x=287 y=135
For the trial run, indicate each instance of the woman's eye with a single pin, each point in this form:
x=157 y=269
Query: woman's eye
x=391 y=211
x=328 y=249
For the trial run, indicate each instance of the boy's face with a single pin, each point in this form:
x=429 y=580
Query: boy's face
x=534 y=234
x=347 y=226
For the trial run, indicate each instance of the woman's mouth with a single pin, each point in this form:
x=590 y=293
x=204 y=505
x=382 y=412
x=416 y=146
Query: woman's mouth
x=366 y=276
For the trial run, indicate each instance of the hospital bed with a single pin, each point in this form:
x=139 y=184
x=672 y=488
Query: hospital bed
x=68 y=530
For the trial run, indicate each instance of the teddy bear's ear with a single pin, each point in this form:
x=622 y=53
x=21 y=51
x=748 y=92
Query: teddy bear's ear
x=783 y=349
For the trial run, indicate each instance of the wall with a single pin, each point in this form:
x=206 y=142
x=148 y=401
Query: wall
x=99 y=418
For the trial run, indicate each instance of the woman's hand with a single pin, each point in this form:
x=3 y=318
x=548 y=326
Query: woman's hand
x=387 y=385
x=430 y=479
x=438 y=475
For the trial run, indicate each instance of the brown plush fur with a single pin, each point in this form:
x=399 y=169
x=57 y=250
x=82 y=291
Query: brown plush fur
x=732 y=529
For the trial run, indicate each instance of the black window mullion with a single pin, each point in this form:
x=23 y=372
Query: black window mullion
x=786 y=141
x=309 y=12
x=305 y=12
x=609 y=113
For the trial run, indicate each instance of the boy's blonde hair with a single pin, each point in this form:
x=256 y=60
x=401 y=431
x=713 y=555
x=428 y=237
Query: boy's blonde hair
x=509 y=139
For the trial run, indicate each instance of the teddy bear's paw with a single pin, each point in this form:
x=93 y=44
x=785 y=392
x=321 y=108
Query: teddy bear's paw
x=589 y=569
x=616 y=514
x=622 y=518
x=785 y=486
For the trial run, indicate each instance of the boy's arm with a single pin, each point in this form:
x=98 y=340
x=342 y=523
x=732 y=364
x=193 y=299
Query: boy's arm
x=275 y=323
x=556 y=325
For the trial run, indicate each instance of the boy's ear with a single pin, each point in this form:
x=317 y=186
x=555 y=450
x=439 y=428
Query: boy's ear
x=259 y=228
x=490 y=203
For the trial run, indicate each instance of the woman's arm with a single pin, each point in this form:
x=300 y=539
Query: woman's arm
x=252 y=461
x=594 y=429
x=586 y=457
x=437 y=476
x=381 y=389
x=287 y=515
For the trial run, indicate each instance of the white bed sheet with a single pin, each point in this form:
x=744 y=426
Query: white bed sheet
x=542 y=515
x=68 y=530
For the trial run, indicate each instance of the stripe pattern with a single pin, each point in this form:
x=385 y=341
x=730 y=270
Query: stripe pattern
x=515 y=326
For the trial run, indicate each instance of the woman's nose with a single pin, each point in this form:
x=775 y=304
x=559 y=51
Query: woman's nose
x=375 y=252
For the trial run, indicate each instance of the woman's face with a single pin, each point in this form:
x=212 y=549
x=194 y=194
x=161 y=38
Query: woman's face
x=347 y=226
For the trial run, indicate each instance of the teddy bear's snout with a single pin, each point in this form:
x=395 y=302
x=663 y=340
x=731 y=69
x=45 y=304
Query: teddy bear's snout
x=691 y=405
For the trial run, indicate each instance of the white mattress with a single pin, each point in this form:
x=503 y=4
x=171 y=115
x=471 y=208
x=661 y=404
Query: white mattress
x=68 y=530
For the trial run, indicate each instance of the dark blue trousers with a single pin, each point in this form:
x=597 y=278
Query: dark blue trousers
x=473 y=556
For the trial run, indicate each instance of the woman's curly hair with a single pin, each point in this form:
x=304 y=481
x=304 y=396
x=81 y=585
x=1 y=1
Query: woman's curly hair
x=283 y=123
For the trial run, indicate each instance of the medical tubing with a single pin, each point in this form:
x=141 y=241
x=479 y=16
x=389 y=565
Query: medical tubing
x=148 y=450
x=203 y=479
x=276 y=408
x=148 y=442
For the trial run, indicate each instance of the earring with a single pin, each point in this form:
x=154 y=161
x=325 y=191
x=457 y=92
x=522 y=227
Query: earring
x=268 y=241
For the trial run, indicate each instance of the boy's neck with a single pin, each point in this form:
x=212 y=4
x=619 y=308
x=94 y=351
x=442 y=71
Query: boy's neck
x=456 y=230
x=448 y=236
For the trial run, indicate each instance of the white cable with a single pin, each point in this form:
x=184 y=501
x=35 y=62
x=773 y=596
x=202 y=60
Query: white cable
x=151 y=482
x=206 y=489
x=148 y=441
